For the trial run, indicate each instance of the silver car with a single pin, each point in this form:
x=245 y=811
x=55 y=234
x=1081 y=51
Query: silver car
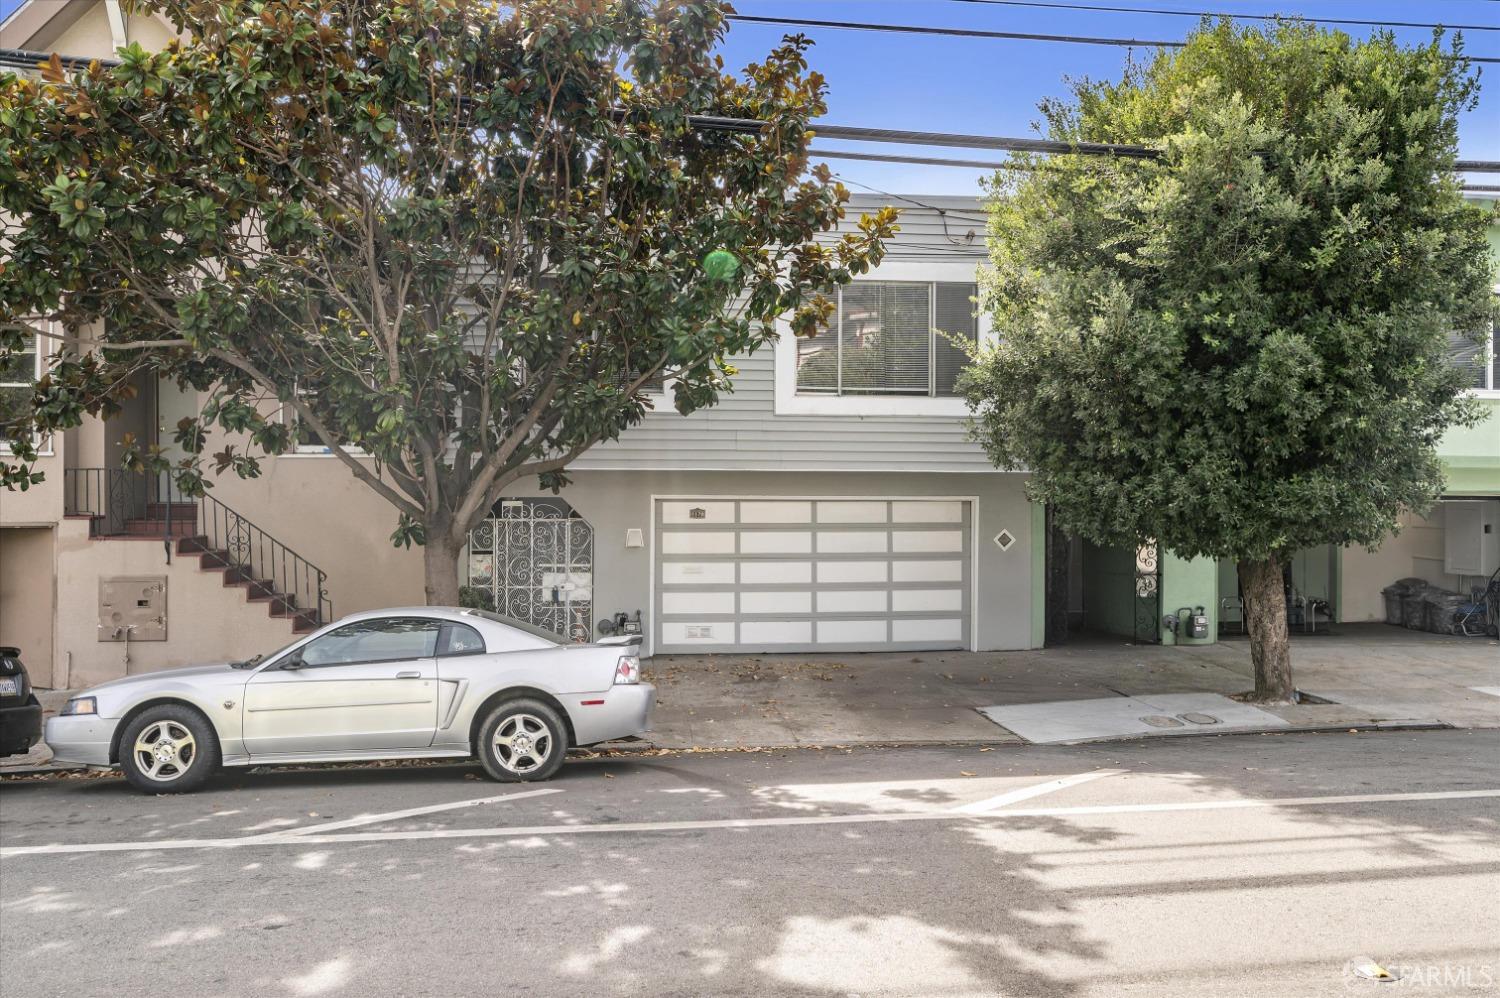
x=412 y=683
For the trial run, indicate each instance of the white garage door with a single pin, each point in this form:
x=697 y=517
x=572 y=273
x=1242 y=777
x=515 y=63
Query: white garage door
x=767 y=575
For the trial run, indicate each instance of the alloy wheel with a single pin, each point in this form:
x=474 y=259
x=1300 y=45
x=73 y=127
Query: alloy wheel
x=522 y=743
x=165 y=751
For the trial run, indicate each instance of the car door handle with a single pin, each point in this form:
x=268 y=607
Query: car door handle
x=409 y=675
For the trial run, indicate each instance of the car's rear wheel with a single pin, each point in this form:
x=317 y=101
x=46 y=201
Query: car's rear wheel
x=522 y=740
x=170 y=749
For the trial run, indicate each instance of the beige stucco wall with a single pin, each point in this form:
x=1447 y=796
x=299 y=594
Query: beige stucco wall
x=206 y=620
x=27 y=597
x=1417 y=551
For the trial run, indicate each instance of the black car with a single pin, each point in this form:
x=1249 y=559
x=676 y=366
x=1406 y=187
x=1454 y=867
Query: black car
x=20 y=712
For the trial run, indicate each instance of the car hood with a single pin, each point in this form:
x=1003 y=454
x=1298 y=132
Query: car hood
x=194 y=674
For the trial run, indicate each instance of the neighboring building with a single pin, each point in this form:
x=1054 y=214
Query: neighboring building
x=831 y=502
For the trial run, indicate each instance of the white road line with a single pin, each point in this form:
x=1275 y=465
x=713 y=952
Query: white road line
x=411 y=812
x=738 y=823
x=1026 y=793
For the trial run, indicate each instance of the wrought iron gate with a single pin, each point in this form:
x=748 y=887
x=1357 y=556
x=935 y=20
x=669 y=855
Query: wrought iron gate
x=535 y=557
x=1148 y=593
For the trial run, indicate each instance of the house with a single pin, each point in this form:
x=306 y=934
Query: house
x=832 y=502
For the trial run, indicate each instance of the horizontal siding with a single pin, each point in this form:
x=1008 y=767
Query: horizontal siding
x=743 y=433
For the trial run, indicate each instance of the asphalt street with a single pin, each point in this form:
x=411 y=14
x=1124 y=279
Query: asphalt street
x=1255 y=865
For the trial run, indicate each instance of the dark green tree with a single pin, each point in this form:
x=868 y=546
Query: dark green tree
x=457 y=236
x=1238 y=348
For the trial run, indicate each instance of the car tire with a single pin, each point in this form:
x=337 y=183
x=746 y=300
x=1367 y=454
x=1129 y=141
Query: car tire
x=522 y=741
x=169 y=749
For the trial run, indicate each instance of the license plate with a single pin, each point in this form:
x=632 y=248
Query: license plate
x=9 y=686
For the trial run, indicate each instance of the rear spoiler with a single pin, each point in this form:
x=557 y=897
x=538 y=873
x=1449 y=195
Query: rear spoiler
x=620 y=639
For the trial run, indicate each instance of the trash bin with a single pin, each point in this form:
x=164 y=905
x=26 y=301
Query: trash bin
x=1441 y=608
x=1396 y=595
x=1414 y=608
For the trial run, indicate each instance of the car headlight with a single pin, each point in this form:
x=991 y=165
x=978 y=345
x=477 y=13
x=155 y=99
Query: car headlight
x=80 y=705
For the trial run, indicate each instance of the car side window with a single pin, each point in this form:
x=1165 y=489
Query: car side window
x=460 y=639
x=385 y=639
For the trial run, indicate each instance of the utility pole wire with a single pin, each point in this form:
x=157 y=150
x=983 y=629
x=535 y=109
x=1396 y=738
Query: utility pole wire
x=720 y=123
x=917 y=29
x=1236 y=17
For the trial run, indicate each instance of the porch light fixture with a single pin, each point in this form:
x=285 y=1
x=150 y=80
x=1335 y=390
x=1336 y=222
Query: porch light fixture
x=634 y=538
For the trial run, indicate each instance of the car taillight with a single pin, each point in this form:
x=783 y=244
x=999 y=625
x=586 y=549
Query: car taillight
x=628 y=670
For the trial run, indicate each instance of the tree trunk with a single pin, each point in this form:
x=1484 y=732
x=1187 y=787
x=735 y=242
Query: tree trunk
x=1264 y=595
x=440 y=565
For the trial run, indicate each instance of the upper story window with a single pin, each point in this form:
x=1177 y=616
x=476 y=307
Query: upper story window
x=891 y=338
x=18 y=377
x=1480 y=361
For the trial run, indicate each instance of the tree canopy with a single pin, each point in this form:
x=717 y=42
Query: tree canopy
x=457 y=240
x=1238 y=347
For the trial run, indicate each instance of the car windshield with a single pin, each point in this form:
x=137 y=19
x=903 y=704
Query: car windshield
x=520 y=625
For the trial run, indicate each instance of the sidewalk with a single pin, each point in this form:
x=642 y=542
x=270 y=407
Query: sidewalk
x=1376 y=674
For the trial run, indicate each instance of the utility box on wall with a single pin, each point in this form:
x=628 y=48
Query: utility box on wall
x=133 y=608
x=1471 y=536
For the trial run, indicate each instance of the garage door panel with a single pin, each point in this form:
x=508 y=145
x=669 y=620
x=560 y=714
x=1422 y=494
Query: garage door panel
x=927 y=600
x=697 y=573
x=697 y=603
x=776 y=632
x=759 y=574
x=927 y=630
x=775 y=602
x=927 y=540
x=853 y=541
x=872 y=632
x=698 y=542
x=853 y=601
x=927 y=571
x=712 y=632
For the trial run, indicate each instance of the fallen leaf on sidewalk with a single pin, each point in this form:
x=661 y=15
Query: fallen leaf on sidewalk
x=609 y=776
x=964 y=772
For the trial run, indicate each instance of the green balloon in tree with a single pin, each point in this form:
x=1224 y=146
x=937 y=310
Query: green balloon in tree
x=721 y=265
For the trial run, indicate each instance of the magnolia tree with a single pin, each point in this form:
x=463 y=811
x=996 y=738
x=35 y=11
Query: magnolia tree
x=454 y=239
x=1238 y=348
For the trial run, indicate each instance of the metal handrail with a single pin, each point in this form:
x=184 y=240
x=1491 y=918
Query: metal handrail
x=113 y=497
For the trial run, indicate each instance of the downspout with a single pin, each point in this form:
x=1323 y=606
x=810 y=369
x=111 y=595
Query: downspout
x=116 y=23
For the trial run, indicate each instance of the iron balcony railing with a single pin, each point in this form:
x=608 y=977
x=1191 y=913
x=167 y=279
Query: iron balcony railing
x=122 y=503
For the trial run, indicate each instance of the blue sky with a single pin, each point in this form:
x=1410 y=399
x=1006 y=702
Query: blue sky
x=991 y=86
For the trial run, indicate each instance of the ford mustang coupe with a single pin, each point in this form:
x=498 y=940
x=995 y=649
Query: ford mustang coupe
x=413 y=683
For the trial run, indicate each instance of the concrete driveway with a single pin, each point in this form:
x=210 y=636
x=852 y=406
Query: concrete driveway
x=1375 y=674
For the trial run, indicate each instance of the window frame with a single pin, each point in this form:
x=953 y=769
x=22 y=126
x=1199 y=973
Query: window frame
x=790 y=402
x=287 y=416
x=445 y=638
x=43 y=443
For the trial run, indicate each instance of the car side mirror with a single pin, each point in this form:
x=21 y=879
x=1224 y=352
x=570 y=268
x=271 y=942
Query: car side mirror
x=295 y=662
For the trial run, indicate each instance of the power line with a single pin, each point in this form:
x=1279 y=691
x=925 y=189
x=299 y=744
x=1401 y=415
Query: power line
x=916 y=29
x=709 y=122
x=1238 y=17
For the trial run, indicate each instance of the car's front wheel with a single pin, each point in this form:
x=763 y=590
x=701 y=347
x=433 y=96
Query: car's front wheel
x=522 y=740
x=170 y=749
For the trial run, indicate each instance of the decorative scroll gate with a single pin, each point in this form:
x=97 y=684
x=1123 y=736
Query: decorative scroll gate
x=1148 y=593
x=536 y=558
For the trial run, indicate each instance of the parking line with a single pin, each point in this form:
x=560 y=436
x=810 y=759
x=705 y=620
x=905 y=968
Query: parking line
x=411 y=812
x=1037 y=790
x=621 y=827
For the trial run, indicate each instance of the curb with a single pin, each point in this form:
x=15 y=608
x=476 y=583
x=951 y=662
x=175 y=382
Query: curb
x=1311 y=729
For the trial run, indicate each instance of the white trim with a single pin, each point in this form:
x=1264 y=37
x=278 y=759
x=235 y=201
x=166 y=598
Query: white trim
x=787 y=402
x=38 y=344
x=649 y=642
